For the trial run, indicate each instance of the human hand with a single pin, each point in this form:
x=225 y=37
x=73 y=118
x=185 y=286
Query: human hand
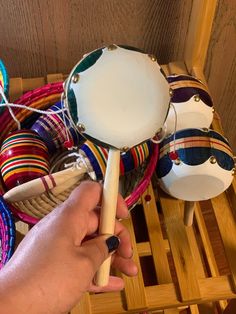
x=58 y=258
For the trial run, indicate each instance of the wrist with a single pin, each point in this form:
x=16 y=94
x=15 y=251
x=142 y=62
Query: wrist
x=21 y=295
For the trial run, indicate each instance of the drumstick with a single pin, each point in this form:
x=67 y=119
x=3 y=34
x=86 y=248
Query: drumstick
x=188 y=213
x=108 y=211
x=35 y=187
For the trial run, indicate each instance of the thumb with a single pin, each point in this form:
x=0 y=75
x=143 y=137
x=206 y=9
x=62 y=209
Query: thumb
x=97 y=250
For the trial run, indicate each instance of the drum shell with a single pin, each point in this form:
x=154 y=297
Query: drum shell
x=192 y=103
x=24 y=157
x=197 y=166
x=52 y=129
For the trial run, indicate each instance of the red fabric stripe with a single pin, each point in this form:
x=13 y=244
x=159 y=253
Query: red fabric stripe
x=52 y=180
x=46 y=187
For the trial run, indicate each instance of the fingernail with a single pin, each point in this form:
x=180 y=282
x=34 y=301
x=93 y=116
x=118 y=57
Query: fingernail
x=112 y=243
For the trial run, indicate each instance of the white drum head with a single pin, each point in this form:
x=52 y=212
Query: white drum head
x=190 y=114
x=196 y=183
x=122 y=99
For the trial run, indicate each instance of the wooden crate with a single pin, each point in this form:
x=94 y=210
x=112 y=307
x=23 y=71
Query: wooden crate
x=183 y=261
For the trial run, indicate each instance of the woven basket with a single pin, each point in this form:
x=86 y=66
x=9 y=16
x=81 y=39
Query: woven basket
x=7 y=233
x=33 y=209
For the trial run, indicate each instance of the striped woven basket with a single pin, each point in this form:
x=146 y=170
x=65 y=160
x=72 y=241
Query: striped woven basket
x=7 y=233
x=33 y=209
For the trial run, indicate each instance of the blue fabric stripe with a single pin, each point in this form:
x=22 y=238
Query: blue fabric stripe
x=93 y=161
x=194 y=156
x=9 y=229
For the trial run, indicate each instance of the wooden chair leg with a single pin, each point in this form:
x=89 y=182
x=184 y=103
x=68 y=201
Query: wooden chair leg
x=188 y=213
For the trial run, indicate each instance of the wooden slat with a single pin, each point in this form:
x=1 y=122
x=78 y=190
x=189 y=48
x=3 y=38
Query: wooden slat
x=156 y=239
x=167 y=311
x=134 y=286
x=212 y=289
x=16 y=88
x=208 y=248
x=164 y=296
x=182 y=255
x=52 y=78
x=171 y=311
x=231 y=195
x=207 y=308
x=206 y=241
x=199 y=31
x=227 y=226
x=144 y=249
x=177 y=68
x=32 y=83
x=194 y=309
x=84 y=307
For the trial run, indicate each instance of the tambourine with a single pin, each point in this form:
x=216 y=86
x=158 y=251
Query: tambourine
x=107 y=94
x=195 y=164
x=192 y=104
x=4 y=82
x=119 y=98
x=7 y=233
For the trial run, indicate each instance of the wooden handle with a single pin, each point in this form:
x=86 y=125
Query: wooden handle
x=108 y=211
x=188 y=213
x=35 y=187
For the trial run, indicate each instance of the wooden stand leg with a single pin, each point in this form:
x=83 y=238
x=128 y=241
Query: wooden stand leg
x=188 y=213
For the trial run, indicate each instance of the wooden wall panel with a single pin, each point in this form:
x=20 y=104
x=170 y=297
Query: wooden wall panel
x=220 y=68
x=49 y=36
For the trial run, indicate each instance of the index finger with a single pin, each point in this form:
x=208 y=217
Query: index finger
x=85 y=197
x=89 y=194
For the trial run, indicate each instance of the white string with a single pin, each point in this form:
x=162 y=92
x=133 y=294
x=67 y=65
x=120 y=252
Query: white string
x=32 y=109
x=80 y=163
x=9 y=105
x=64 y=118
x=175 y=127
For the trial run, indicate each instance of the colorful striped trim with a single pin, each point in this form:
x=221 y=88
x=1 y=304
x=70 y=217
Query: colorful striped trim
x=25 y=161
x=101 y=156
x=23 y=158
x=188 y=83
x=25 y=168
x=132 y=159
x=26 y=146
x=195 y=141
